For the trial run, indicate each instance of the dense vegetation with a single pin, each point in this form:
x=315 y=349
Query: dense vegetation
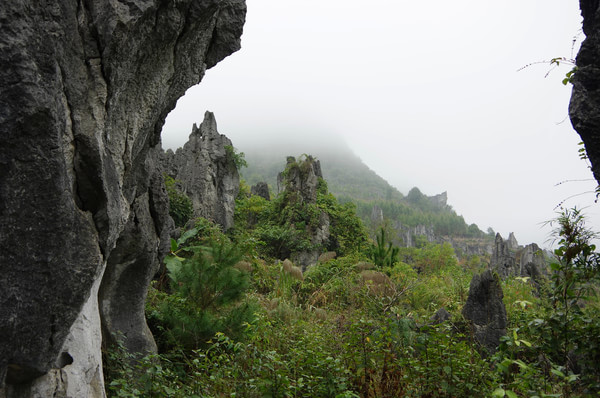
x=235 y=320
x=351 y=181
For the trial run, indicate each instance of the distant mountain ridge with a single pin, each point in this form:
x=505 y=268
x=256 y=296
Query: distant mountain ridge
x=411 y=219
x=348 y=178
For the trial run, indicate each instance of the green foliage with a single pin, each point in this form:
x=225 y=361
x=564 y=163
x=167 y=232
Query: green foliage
x=416 y=209
x=383 y=253
x=348 y=234
x=206 y=291
x=393 y=359
x=571 y=333
x=151 y=376
x=238 y=158
x=286 y=224
x=569 y=76
x=351 y=328
x=180 y=205
x=434 y=257
x=552 y=349
x=520 y=300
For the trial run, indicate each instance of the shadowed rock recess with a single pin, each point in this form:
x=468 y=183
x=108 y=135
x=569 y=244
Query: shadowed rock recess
x=584 y=109
x=84 y=90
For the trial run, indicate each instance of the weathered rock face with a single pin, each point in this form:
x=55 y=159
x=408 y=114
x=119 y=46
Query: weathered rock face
x=584 y=108
x=261 y=189
x=485 y=309
x=206 y=170
x=532 y=263
x=512 y=242
x=377 y=215
x=299 y=184
x=440 y=200
x=470 y=246
x=503 y=259
x=84 y=90
x=302 y=180
x=510 y=259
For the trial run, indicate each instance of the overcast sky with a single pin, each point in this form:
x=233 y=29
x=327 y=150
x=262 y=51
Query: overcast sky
x=426 y=93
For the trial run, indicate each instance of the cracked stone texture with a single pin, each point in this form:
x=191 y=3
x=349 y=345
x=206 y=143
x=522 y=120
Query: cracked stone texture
x=485 y=309
x=584 y=108
x=84 y=90
x=503 y=258
x=206 y=172
x=299 y=183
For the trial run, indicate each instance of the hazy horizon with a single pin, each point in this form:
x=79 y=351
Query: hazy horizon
x=427 y=95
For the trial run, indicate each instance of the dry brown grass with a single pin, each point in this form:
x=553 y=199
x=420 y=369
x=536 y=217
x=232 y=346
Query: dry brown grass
x=244 y=266
x=362 y=266
x=327 y=256
x=291 y=269
x=378 y=283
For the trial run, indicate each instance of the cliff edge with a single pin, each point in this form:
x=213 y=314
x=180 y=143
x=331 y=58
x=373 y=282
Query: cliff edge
x=85 y=87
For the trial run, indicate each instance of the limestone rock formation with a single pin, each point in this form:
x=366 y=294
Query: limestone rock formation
x=470 y=246
x=532 y=263
x=261 y=189
x=84 y=90
x=510 y=259
x=485 y=309
x=503 y=259
x=377 y=215
x=512 y=242
x=301 y=180
x=409 y=235
x=299 y=183
x=440 y=200
x=207 y=172
x=412 y=236
x=584 y=108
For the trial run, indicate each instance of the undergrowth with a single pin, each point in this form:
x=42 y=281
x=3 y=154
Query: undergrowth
x=236 y=321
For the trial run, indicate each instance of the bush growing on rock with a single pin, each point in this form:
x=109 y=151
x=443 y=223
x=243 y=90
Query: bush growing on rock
x=180 y=206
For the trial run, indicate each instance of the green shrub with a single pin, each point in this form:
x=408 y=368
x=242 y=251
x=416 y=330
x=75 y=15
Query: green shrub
x=206 y=296
x=383 y=253
x=180 y=205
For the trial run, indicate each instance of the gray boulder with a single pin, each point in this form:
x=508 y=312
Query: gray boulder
x=206 y=170
x=485 y=309
x=261 y=189
x=85 y=87
x=510 y=259
x=441 y=315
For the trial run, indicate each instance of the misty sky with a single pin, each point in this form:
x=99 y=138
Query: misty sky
x=427 y=94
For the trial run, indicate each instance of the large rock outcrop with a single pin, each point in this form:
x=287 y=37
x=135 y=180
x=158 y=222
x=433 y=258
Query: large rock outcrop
x=84 y=90
x=584 y=108
x=511 y=259
x=298 y=184
x=261 y=189
x=207 y=172
x=503 y=259
x=485 y=309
